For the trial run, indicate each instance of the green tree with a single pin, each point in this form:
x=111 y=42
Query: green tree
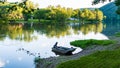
x=99 y=15
x=117 y=2
x=118 y=10
x=60 y=14
x=99 y=1
x=4 y=10
x=14 y=13
x=41 y=13
x=76 y=14
x=28 y=8
x=85 y=14
x=91 y=15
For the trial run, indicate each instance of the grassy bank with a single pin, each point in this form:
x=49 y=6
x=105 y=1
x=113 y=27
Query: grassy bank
x=86 y=43
x=100 y=59
x=103 y=57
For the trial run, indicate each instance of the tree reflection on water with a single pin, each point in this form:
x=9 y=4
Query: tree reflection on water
x=90 y=27
x=26 y=32
x=16 y=32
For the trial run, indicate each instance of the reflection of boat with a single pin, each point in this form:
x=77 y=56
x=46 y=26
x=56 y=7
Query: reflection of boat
x=62 y=50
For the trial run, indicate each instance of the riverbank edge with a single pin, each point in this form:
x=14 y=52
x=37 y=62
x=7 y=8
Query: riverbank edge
x=52 y=62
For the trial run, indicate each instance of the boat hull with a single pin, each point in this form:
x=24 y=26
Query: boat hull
x=63 y=50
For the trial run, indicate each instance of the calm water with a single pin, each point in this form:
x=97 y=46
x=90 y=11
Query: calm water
x=20 y=44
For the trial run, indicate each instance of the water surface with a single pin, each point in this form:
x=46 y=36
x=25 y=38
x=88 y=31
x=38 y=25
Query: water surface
x=21 y=43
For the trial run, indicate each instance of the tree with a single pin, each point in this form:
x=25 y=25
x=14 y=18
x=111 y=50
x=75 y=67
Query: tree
x=76 y=14
x=87 y=14
x=60 y=14
x=99 y=15
x=28 y=9
x=4 y=10
x=14 y=13
x=41 y=13
x=69 y=12
x=92 y=15
x=99 y=1
x=118 y=10
x=117 y=2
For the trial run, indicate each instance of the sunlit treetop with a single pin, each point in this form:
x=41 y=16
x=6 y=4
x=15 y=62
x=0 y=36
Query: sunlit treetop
x=99 y=1
x=117 y=3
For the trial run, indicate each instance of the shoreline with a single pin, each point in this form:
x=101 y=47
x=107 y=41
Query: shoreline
x=52 y=62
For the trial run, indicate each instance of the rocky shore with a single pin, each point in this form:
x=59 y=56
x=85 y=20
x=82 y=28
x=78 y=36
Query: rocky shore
x=52 y=62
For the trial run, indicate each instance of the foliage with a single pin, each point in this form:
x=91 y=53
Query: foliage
x=59 y=13
x=41 y=13
x=118 y=10
x=87 y=14
x=91 y=14
x=99 y=1
x=86 y=43
x=100 y=59
x=14 y=13
x=76 y=13
x=99 y=14
x=4 y=7
x=28 y=9
x=117 y=2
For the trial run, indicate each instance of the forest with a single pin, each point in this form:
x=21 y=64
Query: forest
x=27 y=10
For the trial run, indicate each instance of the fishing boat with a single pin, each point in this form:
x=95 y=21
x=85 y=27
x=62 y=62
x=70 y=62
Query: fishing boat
x=62 y=50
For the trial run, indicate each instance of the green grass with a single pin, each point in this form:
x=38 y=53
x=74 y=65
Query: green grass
x=117 y=34
x=100 y=59
x=86 y=43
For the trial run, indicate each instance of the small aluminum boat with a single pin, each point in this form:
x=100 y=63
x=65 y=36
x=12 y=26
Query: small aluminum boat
x=62 y=50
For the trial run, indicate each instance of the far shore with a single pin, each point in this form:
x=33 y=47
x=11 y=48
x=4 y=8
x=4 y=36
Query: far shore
x=52 y=62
